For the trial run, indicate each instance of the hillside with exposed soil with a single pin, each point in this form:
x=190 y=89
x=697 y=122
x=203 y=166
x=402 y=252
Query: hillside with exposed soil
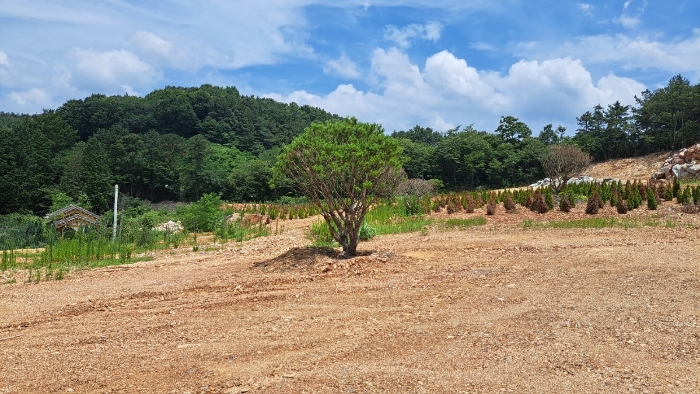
x=631 y=168
x=503 y=307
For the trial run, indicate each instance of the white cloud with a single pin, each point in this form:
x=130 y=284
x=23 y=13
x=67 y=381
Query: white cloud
x=50 y=11
x=447 y=91
x=561 y=86
x=129 y=90
x=151 y=42
x=112 y=68
x=482 y=46
x=403 y=36
x=450 y=74
x=32 y=97
x=587 y=9
x=630 y=53
x=4 y=68
x=433 y=30
x=630 y=21
x=343 y=67
x=612 y=88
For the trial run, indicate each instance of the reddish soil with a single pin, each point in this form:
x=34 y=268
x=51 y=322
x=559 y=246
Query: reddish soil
x=496 y=308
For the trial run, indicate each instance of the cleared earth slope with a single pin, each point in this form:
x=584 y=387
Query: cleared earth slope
x=632 y=168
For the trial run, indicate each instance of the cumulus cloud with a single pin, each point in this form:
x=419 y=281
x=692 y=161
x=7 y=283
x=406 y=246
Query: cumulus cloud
x=449 y=74
x=32 y=97
x=343 y=67
x=562 y=86
x=112 y=68
x=447 y=91
x=403 y=36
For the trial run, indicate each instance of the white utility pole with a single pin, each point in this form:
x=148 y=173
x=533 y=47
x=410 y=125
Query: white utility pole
x=114 y=225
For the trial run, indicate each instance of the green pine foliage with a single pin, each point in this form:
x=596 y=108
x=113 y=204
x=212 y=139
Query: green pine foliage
x=668 y=193
x=696 y=195
x=652 y=203
x=549 y=198
x=615 y=198
x=634 y=199
x=676 y=187
x=685 y=196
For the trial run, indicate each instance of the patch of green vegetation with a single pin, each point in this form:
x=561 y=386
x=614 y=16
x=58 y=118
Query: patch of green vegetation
x=321 y=235
x=402 y=225
x=465 y=223
x=599 y=222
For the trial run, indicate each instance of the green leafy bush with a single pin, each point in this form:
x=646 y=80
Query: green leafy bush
x=367 y=232
x=203 y=215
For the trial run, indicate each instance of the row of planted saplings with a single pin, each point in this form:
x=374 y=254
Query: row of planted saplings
x=540 y=200
x=282 y=212
x=633 y=195
x=624 y=197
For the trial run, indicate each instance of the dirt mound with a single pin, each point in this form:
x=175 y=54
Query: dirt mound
x=631 y=168
x=303 y=258
x=328 y=261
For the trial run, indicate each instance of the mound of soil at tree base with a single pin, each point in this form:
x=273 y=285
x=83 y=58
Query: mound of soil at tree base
x=632 y=168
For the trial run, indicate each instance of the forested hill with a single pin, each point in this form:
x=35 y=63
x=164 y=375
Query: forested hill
x=180 y=143
x=174 y=143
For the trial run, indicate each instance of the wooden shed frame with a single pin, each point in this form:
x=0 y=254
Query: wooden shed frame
x=73 y=217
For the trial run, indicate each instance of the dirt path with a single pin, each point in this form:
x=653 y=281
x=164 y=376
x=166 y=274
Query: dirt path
x=492 y=309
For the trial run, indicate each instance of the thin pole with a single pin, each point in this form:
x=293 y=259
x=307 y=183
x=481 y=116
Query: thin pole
x=114 y=225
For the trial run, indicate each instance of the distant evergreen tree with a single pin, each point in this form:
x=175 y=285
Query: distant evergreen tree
x=652 y=203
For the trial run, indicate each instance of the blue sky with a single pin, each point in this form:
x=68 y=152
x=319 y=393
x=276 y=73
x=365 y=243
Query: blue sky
x=435 y=63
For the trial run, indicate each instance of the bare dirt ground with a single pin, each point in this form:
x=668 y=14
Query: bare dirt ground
x=633 y=168
x=496 y=308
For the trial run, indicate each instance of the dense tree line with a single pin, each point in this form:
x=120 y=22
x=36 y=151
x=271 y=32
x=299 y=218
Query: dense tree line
x=667 y=118
x=467 y=158
x=173 y=144
x=181 y=143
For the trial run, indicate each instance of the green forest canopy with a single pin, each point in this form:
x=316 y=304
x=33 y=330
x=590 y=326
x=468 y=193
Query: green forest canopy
x=181 y=143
